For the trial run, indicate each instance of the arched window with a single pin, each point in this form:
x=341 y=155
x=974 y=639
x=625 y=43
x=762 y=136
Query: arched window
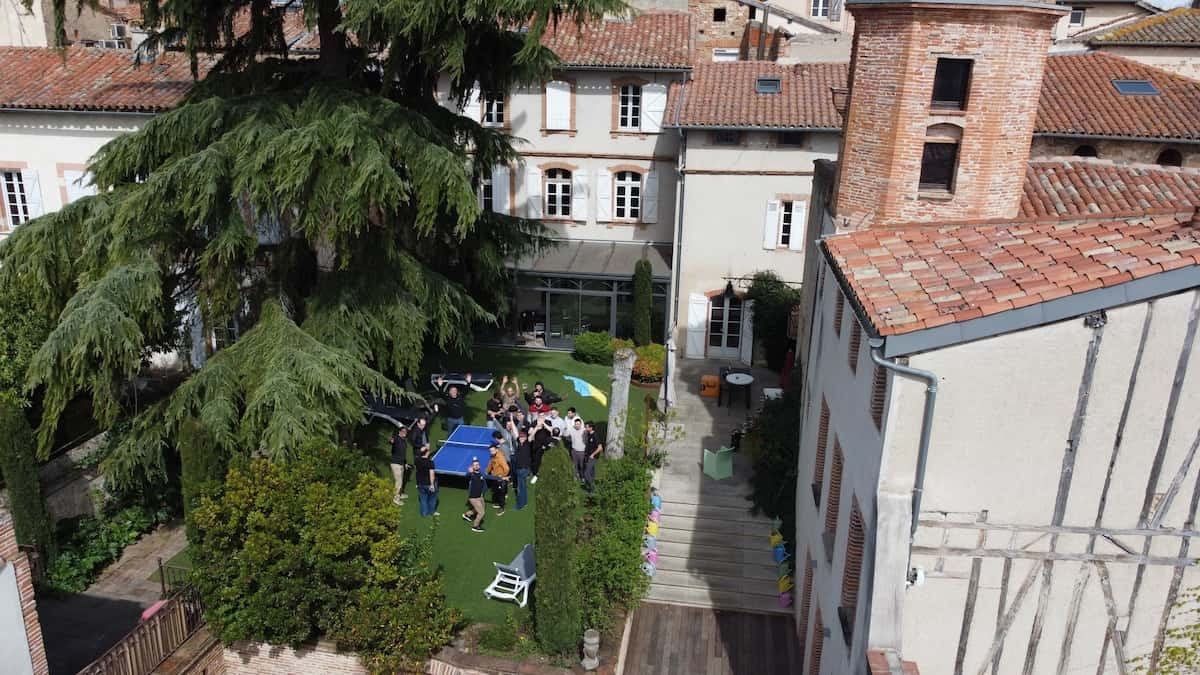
x=627 y=199
x=1170 y=157
x=558 y=193
x=1085 y=151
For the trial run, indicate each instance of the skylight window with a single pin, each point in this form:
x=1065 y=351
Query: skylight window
x=768 y=85
x=1135 y=87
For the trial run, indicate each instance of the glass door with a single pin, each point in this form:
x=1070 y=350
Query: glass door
x=724 y=327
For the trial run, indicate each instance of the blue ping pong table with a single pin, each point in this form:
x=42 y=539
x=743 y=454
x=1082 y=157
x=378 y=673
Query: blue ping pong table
x=454 y=457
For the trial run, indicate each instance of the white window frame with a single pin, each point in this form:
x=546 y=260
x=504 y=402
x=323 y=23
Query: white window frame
x=629 y=107
x=487 y=196
x=820 y=9
x=15 y=194
x=628 y=186
x=1082 y=12
x=786 y=224
x=557 y=193
x=494 y=109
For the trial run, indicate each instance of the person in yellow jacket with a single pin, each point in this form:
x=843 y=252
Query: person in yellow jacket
x=497 y=473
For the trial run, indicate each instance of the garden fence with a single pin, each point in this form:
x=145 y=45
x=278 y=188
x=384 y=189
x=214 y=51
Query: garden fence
x=154 y=639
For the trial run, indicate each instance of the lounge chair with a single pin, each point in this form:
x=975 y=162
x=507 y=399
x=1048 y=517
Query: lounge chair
x=512 y=580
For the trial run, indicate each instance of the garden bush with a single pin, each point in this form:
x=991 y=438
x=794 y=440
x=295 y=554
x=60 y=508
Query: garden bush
x=593 y=347
x=643 y=301
x=773 y=446
x=610 y=563
x=88 y=545
x=620 y=343
x=288 y=552
x=773 y=303
x=20 y=473
x=555 y=533
x=651 y=362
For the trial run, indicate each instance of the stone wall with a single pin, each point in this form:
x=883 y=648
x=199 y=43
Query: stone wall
x=1139 y=152
x=11 y=555
x=322 y=658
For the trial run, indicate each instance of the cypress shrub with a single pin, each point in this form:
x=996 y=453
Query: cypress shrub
x=557 y=617
x=643 y=302
x=20 y=471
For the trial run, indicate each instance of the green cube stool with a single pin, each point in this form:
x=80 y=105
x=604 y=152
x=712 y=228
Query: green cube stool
x=718 y=465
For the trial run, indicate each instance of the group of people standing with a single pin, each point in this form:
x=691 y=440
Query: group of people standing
x=521 y=436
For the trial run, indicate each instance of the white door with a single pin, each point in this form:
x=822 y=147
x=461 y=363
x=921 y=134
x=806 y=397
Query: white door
x=724 y=328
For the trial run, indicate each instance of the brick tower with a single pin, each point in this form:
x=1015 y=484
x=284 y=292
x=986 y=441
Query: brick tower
x=943 y=96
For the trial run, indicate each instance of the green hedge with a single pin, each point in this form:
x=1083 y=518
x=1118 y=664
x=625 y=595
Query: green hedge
x=20 y=473
x=598 y=347
x=556 y=535
x=651 y=362
x=610 y=562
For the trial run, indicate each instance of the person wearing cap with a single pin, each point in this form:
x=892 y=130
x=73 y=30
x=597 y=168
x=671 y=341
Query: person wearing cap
x=522 y=464
x=398 y=461
x=498 y=474
x=476 y=485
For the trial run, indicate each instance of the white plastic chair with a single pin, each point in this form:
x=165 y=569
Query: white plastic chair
x=513 y=580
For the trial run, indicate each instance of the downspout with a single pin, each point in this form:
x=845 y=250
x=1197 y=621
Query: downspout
x=931 y=387
x=672 y=325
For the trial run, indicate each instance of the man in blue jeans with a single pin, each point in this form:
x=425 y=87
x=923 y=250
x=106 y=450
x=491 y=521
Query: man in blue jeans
x=455 y=404
x=522 y=466
x=427 y=488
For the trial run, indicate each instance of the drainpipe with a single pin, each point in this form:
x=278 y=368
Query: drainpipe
x=931 y=387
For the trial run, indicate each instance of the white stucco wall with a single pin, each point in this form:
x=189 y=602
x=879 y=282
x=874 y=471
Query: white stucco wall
x=53 y=142
x=1097 y=15
x=1179 y=60
x=14 y=647
x=20 y=27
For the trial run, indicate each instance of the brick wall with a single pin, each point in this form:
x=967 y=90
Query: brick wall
x=245 y=658
x=1140 y=152
x=710 y=33
x=33 y=629
x=893 y=60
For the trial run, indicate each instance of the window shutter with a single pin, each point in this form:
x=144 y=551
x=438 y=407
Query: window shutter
x=818 y=481
x=604 y=196
x=500 y=174
x=79 y=184
x=835 y=10
x=533 y=193
x=852 y=571
x=838 y=310
x=799 y=225
x=697 y=325
x=33 y=192
x=835 y=491
x=806 y=602
x=472 y=108
x=558 y=105
x=650 y=198
x=746 y=345
x=855 y=344
x=654 y=104
x=818 y=643
x=878 y=396
x=771 y=225
x=579 y=196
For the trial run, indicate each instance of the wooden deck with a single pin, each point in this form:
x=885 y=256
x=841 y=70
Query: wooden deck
x=673 y=639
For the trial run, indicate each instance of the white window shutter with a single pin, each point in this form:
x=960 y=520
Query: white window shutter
x=771 y=225
x=799 y=225
x=654 y=104
x=746 y=346
x=33 y=192
x=579 y=196
x=697 y=326
x=558 y=105
x=533 y=193
x=650 y=198
x=500 y=189
x=472 y=108
x=603 y=196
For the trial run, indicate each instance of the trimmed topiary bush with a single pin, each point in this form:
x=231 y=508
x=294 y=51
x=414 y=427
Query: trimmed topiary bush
x=651 y=362
x=556 y=598
x=20 y=472
x=593 y=347
x=643 y=302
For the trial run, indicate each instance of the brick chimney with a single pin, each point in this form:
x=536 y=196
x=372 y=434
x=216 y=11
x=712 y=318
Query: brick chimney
x=943 y=96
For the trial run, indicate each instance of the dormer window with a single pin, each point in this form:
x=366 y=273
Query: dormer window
x=768 y=85
x=951 y=81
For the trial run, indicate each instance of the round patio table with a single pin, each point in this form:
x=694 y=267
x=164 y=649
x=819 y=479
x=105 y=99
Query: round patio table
x=740 y=381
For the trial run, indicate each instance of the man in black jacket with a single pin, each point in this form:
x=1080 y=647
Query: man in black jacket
x=539 y=389
x=399 y=461
x=455 y=403
x=593 y=449
x=522 y=464
x=476 y=485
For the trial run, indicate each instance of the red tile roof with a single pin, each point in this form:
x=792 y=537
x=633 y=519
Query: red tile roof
x=131 y=13
x=1078 y=97
x=1087 y=188
x=922 y=277
x=657 y=40
x=92 y=79
x=1178 y=27
x=724 y=94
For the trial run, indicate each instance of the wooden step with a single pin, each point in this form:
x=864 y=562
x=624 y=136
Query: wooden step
x=699 y=597
x=705 y=567
x=760 y=528
x=717 y=554
x=716 y=582
x=714 y=539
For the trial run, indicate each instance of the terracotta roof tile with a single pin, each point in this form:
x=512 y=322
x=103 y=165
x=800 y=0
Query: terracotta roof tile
x=648 y=40
x=1086 y=188
x=92 y=79
x=1178 y=27
x=724 y=94
x=983 y=270
x=1078 y=97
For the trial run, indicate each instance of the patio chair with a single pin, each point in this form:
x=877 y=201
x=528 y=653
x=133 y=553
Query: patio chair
x=718 y=465
x=513 y=580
